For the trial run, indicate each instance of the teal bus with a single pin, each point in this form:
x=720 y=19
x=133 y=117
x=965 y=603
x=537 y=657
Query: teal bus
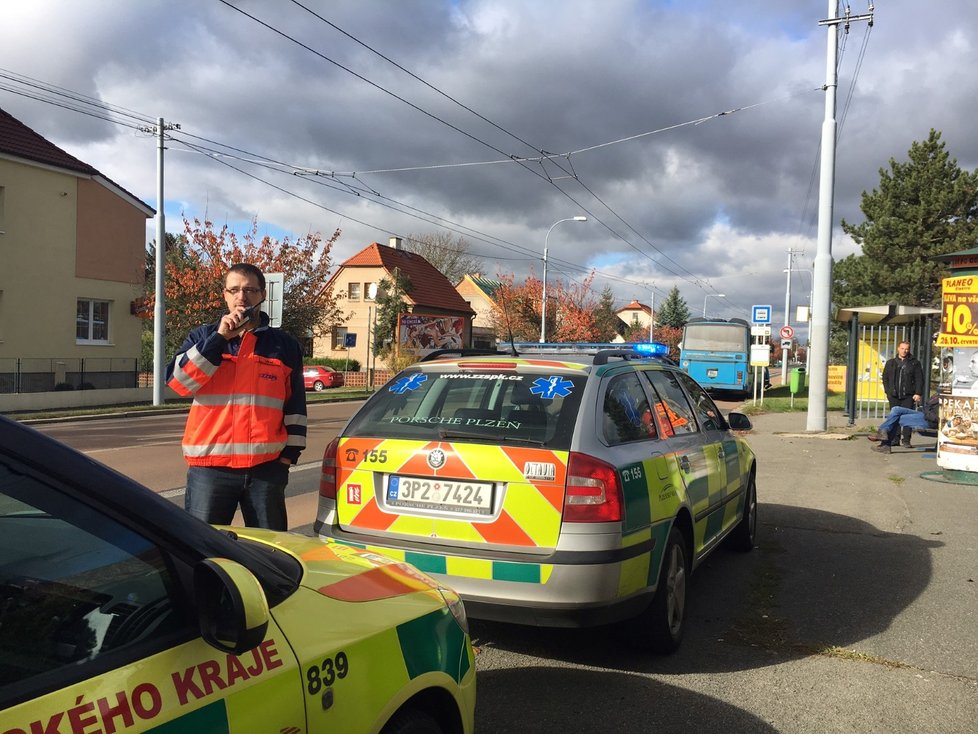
x=716 y=353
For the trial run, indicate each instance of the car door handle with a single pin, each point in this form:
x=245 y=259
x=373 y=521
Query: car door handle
x=684 y=463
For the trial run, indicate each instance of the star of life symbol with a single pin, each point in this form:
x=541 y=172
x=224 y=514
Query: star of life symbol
x=409 y=383
x=551 y=387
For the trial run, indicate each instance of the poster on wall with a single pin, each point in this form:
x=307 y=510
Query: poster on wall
x=957 y=436
x=873 y=354
x=418 y=334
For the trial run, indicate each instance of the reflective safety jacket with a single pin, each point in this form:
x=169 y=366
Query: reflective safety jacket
x=249 y=400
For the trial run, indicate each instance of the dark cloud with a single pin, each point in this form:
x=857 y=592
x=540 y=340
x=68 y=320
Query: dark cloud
x=711 y=207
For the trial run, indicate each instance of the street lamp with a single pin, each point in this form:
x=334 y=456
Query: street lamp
x=543 y=308
x=715 y=295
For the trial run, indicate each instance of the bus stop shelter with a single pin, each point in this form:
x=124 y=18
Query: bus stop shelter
x=874 y=333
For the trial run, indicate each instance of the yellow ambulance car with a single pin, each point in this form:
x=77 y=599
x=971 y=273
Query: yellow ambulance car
x=119 y=612
x=562 y=485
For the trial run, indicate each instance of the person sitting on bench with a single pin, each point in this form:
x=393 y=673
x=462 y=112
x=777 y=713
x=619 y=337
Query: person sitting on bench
x=900 y=418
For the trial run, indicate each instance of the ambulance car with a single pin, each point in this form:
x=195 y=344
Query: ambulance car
x=119 y=612
x=561 y=485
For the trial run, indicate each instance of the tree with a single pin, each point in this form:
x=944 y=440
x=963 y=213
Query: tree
x=924 y=207
x=390 y=305
x=606 y=321
x=196 y=266
x=673 y=312
x=516 y=309
x=570 y=310
x=449 y=255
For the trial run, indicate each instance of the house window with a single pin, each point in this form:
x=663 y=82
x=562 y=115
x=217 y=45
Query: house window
x=366 y=292
x=353 y=291
x=339 y=337
x=92 y=322
x=634 y=319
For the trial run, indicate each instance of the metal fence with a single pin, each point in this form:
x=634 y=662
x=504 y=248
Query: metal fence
x=43 y=374
x=870 y=345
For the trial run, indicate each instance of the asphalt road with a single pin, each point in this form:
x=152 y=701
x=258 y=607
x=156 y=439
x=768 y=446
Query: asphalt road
x=857 y=611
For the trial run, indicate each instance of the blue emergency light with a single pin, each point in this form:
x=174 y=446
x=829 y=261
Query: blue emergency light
x=652 y=349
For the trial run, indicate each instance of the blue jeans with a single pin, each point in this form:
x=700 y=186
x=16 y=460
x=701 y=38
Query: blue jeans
x=901 y=417
x=214 y=492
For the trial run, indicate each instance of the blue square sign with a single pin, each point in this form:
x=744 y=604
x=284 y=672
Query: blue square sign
x=761 y=314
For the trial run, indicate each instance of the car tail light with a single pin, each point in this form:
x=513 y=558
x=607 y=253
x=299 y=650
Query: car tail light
x=327 y=481
x=593 y=491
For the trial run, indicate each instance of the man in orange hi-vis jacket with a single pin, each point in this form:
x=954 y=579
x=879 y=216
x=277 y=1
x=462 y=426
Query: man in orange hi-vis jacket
x=247 y=424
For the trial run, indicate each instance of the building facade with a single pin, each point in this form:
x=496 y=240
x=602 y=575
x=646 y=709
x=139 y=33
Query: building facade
x=74 y=258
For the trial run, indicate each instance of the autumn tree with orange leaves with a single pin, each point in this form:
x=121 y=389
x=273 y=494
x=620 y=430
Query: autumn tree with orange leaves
x=570 y=310
x=197 y=263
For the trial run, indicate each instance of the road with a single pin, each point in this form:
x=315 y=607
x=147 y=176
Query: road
x=857 y=611
x=147 y=448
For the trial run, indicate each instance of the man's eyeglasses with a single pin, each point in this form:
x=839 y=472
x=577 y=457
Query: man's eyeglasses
x=247 y=291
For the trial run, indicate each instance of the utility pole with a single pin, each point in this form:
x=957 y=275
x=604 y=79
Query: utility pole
x=787 y=318
x=822 y=279
x=159 y=311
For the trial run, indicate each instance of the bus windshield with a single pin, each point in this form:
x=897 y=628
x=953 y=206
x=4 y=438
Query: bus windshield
x=715 y=338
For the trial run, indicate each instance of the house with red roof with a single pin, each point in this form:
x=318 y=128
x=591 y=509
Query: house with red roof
x=74 y=257
x=437 y=316
x=633 y=315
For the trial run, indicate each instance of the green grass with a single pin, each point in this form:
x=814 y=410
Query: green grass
x=778 y=400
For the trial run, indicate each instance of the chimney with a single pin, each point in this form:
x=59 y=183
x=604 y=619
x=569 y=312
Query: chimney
x=395 y=243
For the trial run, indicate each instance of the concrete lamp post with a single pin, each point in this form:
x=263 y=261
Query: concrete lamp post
x=714 y=295
x=543 y=305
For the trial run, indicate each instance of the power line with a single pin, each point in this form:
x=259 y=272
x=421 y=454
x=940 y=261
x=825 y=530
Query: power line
x=277 y=166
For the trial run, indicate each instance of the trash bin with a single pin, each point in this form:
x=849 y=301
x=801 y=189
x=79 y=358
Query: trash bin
x=796 y=379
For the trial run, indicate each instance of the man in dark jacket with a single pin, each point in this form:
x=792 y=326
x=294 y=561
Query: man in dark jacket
x=903 y=382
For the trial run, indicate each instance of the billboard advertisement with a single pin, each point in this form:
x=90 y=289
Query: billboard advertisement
x=419 y=334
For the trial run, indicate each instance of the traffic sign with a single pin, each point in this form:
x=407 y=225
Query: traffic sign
x=786 y=332
x=760 y=314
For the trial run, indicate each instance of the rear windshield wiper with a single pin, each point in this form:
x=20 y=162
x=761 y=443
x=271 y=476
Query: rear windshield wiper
x=446 y=435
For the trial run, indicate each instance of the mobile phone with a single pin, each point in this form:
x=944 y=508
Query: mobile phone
x=249 y=312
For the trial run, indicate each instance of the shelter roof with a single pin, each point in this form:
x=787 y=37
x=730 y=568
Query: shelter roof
x=888 y=313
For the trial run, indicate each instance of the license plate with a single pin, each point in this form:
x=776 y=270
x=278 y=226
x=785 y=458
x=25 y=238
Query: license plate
x=712 y=373
x=440 y=494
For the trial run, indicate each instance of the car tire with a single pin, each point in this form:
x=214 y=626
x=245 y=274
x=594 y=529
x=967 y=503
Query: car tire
x=412 y=721
x=744 y=534
x=660 y=627
x=318 y=386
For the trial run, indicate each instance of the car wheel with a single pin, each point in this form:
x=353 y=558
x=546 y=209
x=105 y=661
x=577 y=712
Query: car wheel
x=412 y=721
x=318 y=386
x=743 y=536
x=660 y=627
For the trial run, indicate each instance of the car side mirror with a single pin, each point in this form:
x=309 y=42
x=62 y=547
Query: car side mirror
x=739 y=422
x=231 y=605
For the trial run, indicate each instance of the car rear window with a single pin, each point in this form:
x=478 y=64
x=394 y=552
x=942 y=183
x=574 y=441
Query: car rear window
x=511 y=407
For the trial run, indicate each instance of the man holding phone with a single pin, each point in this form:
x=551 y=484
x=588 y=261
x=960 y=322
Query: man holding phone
x=247 y=424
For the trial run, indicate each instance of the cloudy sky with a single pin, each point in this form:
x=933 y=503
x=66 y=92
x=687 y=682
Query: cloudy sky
x=494 y=119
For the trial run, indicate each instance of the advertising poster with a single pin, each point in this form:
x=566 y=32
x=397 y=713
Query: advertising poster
x=957 y=436
x=959 y=312
x=873 y=354
x=418 y=334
